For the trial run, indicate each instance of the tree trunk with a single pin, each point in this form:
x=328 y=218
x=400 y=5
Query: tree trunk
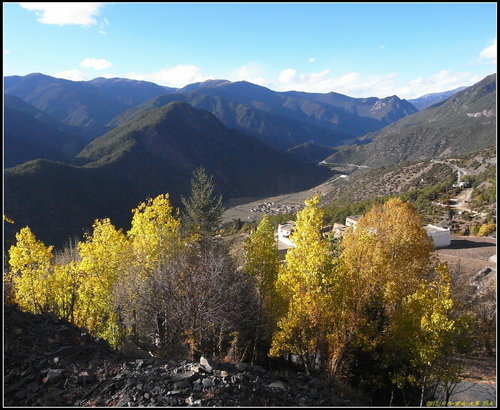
x=161 y=330
x=422 y=393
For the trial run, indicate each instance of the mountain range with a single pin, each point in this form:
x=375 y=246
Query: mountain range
x=464 y=122
x=280 y=119
x=86 y=106
x=97 y=148
x=155 y=153
x=430 y=99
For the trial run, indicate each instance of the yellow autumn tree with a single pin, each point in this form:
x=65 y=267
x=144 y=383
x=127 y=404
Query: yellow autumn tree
x=30 y=272
x=65 y=283
x=427 y=337
x=155 y=233
x=155 y=240
x=303 y=283
x=402 y=309
x=103 y=255
x=262 y=264
x=388 y=252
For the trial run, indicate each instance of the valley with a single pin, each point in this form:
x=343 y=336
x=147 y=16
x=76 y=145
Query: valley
x=63 y=175
x=250 y=204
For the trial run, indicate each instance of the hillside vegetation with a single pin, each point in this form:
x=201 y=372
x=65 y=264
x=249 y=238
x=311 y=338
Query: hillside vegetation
x=463 y=123
x=154 y=153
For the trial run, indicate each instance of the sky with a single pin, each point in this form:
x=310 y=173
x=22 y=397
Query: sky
x=356 y=49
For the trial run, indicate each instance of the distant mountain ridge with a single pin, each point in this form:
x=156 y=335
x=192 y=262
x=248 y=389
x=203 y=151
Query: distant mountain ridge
x=284 y=120
x=276 y=131
x=84 y=105
x=464 y=122
x=328 y=111
x=430 y=99
x=280 y=119
x=31 y=134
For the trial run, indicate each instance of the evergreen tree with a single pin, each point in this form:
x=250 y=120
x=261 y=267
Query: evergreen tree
x=202 y=210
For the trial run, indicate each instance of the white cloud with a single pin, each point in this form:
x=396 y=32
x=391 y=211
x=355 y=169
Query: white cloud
x=102 y=26
x=444 y=80
x=108 y=75
x=287 y=75
x=311 y=59
x=73 y=75
x=6 y=51
x=356 y=85
x=96 y=63
x=251 y=72
x=177 y=76
x=490 y=52
x=352 y=84
x=82 y=14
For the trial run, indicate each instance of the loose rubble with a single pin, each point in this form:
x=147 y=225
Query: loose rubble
x=49 y=362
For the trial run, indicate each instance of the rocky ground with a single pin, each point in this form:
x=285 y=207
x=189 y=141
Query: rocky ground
x=48 y=362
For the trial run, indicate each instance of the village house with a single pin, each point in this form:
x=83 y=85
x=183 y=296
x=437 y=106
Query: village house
x=284 y=232
x=352 y=220
x=441 y=237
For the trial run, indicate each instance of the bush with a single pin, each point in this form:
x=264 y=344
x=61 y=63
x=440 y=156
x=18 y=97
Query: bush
x=486 y=229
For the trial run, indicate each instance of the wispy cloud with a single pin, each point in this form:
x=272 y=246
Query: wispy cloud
x=352 y=83
x=5 y=51
x=357 y=85
x=287 y=76
x=177 y=76
x=311 y=59
x=73 y=75
x=61 y=14
x=252 y=72
x=102 y=26
x=444 y=80
x=96 y=63
x=490 y=53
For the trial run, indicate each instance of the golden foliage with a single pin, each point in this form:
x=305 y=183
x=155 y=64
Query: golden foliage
x=29 y=260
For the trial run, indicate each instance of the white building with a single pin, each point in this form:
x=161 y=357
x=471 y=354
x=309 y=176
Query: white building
x=440 y=236
x=352 y=220
x=284 y=232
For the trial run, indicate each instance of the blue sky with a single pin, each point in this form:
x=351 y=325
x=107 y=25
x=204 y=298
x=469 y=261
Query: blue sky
x=357 y=49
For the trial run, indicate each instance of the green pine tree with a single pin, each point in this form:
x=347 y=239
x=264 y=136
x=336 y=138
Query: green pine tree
x=203 y=209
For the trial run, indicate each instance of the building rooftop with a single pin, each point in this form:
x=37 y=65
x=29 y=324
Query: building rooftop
x=434 y=228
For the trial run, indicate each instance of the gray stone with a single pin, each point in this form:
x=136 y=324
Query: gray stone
x=123 y=402
x=220 y=373
x=189 y=375
x=183 y=384
x=175 y=392
x=241 y=366
x=53 y=375
x=279 y=385
x=205 y=365
x=208 y=382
